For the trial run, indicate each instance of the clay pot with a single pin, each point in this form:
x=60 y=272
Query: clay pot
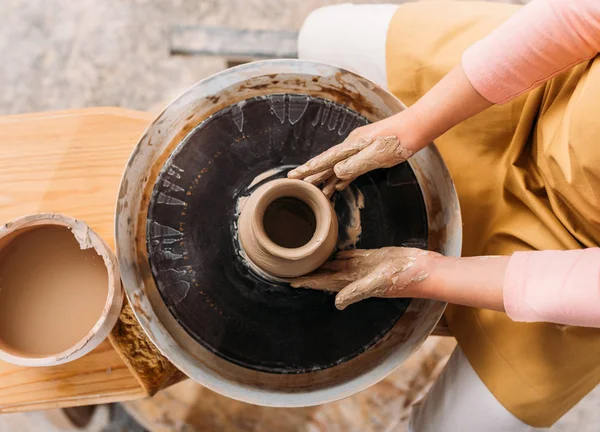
x=288 y=228
x=60 y=290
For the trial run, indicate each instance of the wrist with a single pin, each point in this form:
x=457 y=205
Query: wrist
x=475 y=281
x=424 y=275
x=407 y=127
x=415 y=134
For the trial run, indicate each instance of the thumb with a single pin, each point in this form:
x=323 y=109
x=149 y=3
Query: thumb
x=372 y=285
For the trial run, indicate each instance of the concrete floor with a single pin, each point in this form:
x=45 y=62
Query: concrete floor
x=61 y=54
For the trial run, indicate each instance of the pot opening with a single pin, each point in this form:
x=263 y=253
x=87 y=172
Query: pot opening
x=52 y=292
x=289 y=222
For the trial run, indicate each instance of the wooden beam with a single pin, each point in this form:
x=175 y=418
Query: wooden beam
x=229 y=42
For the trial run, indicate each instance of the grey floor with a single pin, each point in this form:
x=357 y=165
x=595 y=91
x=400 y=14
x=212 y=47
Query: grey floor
x=61 y=54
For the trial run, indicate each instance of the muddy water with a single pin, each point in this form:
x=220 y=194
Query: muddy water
x=51 y=291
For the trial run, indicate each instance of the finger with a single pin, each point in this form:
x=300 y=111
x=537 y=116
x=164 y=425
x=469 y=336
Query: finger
x=322 y=283
x=317 y=179
x=385 y=152
x=340 y=186
x=348 y=270
x=355 y=166
x=352 y=253
x=322 y=162
x=329 y=158
x=329 y=187
x=338 y=265
x=372 y=285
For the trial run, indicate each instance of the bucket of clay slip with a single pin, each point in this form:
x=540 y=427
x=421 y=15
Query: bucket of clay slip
x=60 y=290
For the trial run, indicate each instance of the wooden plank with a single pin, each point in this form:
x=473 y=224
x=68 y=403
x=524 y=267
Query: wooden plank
x=230 y=42
x=71 y=162
x=99 y=377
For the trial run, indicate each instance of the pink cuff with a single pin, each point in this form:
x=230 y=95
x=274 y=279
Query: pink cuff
x=554 y=286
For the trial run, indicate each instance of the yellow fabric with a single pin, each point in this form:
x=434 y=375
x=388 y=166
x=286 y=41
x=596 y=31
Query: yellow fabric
x=528 y=177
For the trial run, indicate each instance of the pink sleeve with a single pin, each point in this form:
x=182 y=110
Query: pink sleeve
x=554 y=286
x=543 y=39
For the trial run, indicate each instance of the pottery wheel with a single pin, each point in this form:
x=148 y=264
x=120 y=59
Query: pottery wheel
x=226 y=307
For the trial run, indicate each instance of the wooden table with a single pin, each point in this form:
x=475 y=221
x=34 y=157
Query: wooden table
x=71 y=162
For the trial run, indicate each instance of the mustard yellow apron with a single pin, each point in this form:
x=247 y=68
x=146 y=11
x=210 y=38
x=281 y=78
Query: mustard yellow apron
x=528 y=178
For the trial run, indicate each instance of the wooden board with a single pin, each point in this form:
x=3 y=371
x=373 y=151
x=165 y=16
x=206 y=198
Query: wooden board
x=99 y=377
x=71 y=162
x=67 y=162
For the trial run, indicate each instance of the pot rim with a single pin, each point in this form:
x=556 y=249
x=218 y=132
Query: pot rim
x=273 y=191
x=85 y=236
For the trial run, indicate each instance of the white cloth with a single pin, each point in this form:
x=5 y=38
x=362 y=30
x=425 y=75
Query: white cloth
x=459 y=402
x=354 y=37
x=348 y=36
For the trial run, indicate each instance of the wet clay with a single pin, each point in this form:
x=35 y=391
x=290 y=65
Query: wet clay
x=356 y=155
x=51 y=291
x=268 y=174
x=289 y=222
x=383 y=152
x=359 y=274
x=287 y=228
x=355 y=202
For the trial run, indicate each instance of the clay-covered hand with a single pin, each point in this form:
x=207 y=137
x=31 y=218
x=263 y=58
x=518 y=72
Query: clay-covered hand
x=366 y=148
x=359 y=274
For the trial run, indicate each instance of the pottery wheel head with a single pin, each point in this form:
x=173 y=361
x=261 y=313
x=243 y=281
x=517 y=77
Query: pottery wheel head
x=200 y=301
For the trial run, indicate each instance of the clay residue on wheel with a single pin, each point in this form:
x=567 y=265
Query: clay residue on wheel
x=355 y=202
x=152 y=369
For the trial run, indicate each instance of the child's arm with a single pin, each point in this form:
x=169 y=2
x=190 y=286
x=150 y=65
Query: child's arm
x=542 y=286
x=542 y=39
x=547 y=286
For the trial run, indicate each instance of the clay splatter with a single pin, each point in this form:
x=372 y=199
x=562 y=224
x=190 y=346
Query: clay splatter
x=355 y=202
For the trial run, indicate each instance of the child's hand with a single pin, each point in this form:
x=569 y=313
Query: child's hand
x=366 y=148
x=360 y=274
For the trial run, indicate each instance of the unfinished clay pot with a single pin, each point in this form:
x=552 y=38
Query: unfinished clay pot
x=60 y=290
x=288 y=228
